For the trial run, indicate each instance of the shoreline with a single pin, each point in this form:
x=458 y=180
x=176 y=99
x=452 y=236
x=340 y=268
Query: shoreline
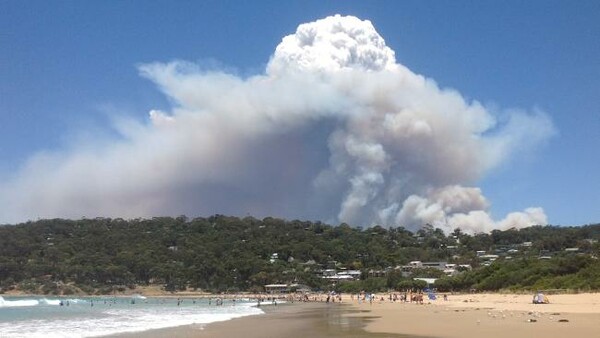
x=291 y=320
x=168 y=295
x=463 y=315
x=146 y=291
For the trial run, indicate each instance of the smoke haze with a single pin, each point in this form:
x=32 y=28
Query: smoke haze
x=334 y=129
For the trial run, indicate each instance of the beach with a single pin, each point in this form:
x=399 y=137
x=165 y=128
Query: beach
x=488 y=315
x=466 y=315
x=462 y=315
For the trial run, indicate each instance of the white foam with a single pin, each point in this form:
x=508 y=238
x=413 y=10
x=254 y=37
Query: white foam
x=52 y=301
x=18 y=303
x=36 y=302
x=94 y=322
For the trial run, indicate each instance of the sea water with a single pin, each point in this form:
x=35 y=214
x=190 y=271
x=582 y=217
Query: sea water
x=98 y=316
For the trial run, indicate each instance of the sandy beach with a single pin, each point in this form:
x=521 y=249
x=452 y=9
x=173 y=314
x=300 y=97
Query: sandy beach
x=466 y=315
x=488 y=315
x=462 y=315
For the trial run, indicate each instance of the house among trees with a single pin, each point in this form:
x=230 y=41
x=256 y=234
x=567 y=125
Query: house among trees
x=286 y=288
x=220 y=253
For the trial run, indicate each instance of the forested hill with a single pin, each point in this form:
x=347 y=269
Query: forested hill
x=221 y=253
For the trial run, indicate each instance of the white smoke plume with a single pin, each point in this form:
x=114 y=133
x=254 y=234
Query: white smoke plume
x=335 y=129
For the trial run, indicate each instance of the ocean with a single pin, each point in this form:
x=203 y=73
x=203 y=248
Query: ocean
x=38 y=316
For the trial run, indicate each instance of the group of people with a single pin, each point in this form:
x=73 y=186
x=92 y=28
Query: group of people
x=408 y=296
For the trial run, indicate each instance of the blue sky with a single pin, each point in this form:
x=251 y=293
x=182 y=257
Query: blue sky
x=68 y=67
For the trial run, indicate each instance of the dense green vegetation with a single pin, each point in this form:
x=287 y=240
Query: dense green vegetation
x=221 y=253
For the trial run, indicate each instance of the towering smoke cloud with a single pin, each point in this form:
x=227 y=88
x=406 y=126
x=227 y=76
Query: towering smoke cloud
x=334 y=129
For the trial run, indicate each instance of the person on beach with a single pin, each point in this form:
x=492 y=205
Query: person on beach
x=540 y=298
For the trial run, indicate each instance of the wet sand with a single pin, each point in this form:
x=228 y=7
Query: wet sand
x=298 y=320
